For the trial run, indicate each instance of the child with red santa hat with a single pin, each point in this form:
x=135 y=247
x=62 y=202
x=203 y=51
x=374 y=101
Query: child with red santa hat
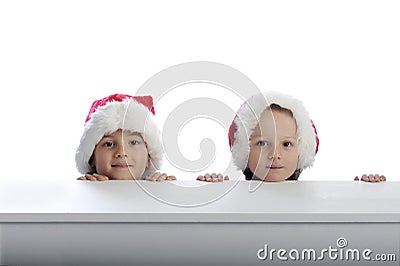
x=272 y=138
x=121 y=141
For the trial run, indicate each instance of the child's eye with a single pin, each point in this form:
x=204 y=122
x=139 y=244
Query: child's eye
x=135 y=142
x=108 y=144
x=287 y=144
x=262 y=143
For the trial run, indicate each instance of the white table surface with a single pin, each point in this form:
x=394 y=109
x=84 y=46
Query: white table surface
x=191 y=223
x=195 y=201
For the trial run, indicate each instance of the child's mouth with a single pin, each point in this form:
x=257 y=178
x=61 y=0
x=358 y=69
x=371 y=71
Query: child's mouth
x=121 y=165
x=274 y=167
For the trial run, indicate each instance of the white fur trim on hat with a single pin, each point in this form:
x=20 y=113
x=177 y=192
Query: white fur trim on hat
x=126 y=115
x=247 y=119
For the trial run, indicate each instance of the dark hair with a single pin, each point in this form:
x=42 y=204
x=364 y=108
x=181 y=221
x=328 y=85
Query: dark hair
x=250 y=176
x=277 y=107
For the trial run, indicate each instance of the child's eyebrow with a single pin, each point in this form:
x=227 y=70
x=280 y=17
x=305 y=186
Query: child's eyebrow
x=284 y=137
x=256 y=136
x=134 y=134
x=289 y=137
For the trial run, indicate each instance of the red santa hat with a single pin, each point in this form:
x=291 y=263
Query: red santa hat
x=247 y=119
x=119 y=111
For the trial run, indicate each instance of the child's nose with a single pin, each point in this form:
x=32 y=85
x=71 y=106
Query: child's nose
x=274 y=154
x=120 y=152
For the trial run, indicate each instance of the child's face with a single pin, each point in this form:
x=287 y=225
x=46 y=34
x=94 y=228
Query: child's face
x=121 y=155
x=273 y=146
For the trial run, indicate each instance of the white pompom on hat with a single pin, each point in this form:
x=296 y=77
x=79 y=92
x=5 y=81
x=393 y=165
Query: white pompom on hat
x=247 y=119
x=119 y=111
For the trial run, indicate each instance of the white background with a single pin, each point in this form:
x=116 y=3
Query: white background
x=341 y=58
